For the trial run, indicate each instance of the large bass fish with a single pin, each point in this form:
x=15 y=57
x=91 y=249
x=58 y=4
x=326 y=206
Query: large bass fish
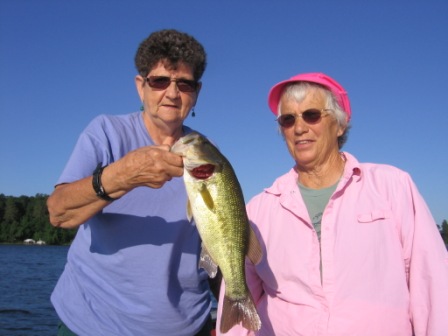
x=217 y=205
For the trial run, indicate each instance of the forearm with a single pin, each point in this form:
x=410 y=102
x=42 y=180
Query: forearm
x=72 y=204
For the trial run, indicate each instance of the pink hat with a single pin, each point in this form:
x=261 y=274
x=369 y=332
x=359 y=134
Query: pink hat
x=319 y=78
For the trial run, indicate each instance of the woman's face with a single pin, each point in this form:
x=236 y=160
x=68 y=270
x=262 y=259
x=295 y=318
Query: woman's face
x=170 y=106
x=311 y=145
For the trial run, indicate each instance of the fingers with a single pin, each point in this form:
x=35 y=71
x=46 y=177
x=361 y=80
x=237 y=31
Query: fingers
x=170 y=157
x=169 y=141
x=151 y=166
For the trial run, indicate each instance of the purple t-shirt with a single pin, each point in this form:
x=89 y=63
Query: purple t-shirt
x=132 y=268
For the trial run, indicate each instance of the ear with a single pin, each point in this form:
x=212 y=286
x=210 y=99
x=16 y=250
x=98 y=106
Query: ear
x=341 y=130
x=139 y=84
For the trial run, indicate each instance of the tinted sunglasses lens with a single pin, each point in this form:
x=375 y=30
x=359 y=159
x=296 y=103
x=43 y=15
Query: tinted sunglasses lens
x=286 y=120
x=186 y=85
x=311 y=116
x=160 y=83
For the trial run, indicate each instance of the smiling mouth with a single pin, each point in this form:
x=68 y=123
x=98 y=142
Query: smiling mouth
x=303 y=142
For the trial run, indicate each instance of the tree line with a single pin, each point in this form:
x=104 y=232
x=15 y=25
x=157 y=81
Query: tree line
x=26 y=217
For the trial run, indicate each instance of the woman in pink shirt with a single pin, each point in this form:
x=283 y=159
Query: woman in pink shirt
x=349 y=248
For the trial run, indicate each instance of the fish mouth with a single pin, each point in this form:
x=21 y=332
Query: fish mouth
x=202 y=172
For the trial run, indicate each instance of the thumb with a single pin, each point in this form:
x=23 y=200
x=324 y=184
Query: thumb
x=169 y=141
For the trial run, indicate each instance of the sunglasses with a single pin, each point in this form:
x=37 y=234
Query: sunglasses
x=162 y=82
x=311 y=116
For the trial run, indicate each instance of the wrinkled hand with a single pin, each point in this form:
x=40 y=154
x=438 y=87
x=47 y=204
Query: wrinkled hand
x=149 y=166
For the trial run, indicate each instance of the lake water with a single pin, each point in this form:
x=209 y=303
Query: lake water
x=28 y=274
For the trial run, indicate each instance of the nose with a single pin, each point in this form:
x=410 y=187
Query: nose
x=300 y=126
x=172 y=90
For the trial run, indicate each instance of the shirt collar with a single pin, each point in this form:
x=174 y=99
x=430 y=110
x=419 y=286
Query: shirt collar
x=287 y=183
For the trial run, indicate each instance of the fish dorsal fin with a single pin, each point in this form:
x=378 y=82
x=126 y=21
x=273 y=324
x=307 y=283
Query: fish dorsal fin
x=206 y=197
x=206 y=262
x=254 y=251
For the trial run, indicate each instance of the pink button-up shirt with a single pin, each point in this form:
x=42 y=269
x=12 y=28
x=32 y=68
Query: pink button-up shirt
x=384 y=265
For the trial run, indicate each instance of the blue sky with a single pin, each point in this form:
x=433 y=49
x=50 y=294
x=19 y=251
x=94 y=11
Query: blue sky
x=64 y=62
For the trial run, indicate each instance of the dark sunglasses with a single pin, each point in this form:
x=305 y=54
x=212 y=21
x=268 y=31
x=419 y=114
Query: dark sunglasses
x=311 y=116
x=162 y=82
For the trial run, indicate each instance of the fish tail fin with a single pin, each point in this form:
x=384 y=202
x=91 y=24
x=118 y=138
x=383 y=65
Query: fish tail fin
x=236 y=311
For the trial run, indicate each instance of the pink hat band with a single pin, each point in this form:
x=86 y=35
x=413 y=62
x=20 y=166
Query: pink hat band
x=319 y=78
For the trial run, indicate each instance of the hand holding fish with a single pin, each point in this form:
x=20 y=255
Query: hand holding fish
x=149 y=166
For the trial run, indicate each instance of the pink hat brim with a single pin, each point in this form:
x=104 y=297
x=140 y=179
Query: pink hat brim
x=316 y=77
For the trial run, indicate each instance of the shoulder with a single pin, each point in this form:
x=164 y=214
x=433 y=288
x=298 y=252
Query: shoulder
x=282 y=185
x=106 y=128
x=375 y=171
x=383 y=172
x=113 y=121
x=379 y=179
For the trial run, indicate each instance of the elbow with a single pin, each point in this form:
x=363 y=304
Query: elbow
x=56 y=222
x=55 y=216
x=58 y=216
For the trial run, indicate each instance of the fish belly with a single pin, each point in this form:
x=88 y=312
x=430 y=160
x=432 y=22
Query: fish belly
x=223 y=229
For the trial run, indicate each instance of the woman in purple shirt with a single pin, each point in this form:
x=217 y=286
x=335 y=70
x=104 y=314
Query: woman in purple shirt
x=350 y=248
x=132 y=268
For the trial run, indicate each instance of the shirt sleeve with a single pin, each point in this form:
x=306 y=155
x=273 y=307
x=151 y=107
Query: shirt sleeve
x=426 y=261
x=91 y=147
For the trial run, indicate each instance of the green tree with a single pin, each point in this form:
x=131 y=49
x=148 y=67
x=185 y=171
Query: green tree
x=444 y=231
x=27 y=217
x=12 y=215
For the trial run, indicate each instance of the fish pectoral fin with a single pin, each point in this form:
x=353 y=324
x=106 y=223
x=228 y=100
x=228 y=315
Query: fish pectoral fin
x=206 y=197
x=254 y=251
x=206 y=262
x=189 y=211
